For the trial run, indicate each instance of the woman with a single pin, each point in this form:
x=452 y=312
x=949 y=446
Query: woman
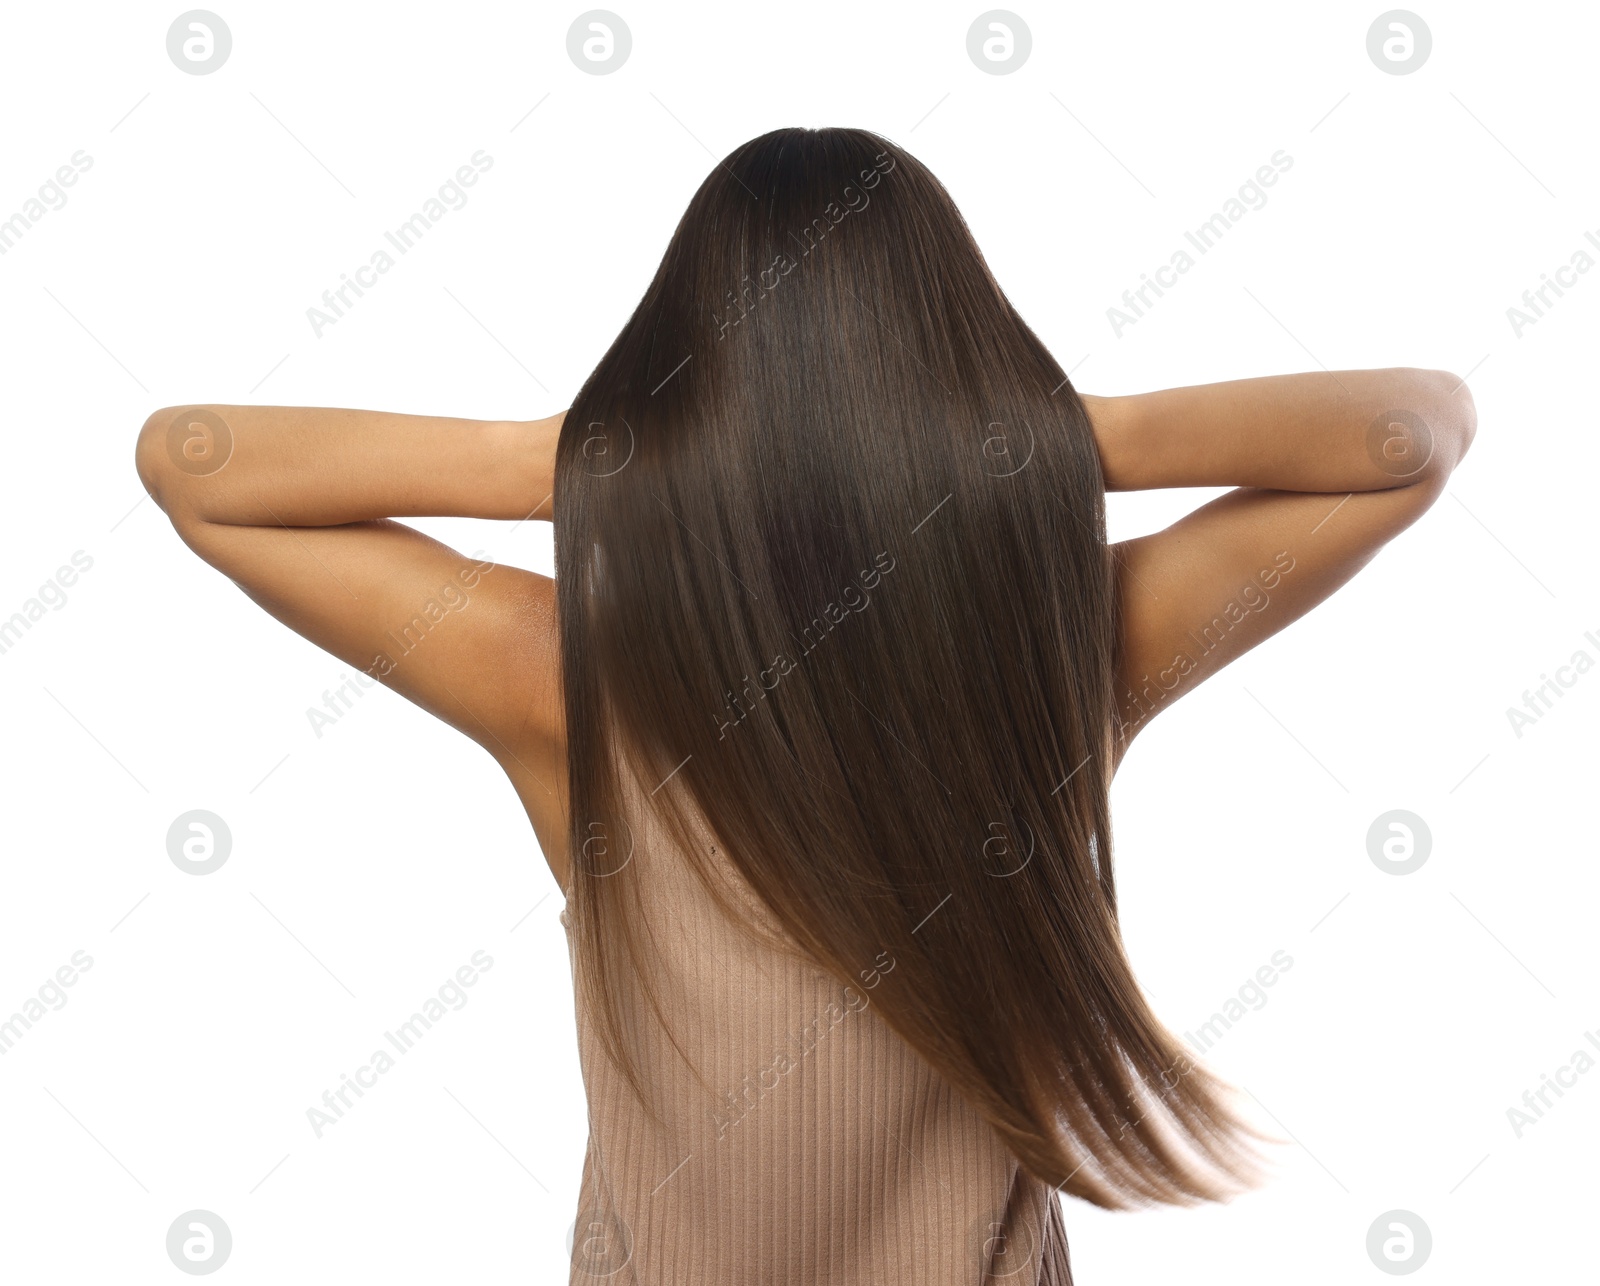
x=816 y=721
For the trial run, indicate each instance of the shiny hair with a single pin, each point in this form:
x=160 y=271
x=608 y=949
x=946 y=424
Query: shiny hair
x=832 y=573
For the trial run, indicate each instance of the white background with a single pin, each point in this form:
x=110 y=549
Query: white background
x=371 y=862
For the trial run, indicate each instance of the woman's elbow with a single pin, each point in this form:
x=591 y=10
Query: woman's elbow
x=149 y=454
x=176 y=445
x=1445 y=405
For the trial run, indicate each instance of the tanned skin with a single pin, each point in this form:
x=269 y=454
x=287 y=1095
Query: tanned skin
x=302 y=517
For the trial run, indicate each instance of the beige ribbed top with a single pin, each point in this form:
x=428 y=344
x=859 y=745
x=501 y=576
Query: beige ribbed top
x=826 y=1150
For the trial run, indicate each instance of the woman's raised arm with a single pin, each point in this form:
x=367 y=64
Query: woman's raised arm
x=1328 y=467
x=296 y=505
x=302 y=466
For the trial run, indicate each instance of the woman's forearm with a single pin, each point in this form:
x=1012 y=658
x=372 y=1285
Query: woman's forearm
x=316 y=466
x=1322 y=431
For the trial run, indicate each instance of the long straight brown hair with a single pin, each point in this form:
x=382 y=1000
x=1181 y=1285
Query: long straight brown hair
x=833 y=579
